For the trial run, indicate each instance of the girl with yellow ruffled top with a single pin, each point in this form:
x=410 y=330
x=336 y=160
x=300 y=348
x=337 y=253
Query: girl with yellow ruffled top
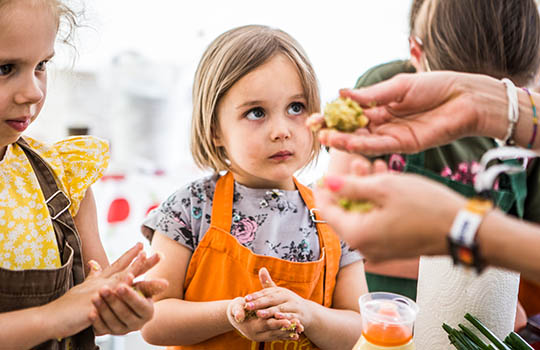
x=54 y=293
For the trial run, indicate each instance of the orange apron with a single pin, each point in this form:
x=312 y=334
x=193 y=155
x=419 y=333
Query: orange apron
x=221 y=268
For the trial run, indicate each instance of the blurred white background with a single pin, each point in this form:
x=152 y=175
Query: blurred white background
x=131 y=84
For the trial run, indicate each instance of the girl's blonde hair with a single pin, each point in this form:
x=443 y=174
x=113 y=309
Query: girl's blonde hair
x=229 y=57
x=500 y=38
x=66 y=18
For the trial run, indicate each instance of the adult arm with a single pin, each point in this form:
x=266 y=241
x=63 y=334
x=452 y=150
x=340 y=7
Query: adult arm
x=412 y=217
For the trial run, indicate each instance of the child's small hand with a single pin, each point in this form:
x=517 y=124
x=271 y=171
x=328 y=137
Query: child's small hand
x=258 y=329
x=126 y=306
x=279 y=303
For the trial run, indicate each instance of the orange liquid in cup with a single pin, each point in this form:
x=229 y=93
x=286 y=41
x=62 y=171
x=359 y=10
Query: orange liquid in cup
x=387 y=334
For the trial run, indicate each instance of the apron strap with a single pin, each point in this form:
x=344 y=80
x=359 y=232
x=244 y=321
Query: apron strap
x=222 y=205
x=58 y=204
x=64 y=227
x=328 y=241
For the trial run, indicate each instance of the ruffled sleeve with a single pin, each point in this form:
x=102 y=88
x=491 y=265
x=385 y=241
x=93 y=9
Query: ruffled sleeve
x=84 y=159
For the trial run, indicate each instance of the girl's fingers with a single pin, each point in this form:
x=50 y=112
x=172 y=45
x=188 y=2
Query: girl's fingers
x=150 y=288
x=124 y=261
x=108 y=319
x=273 y=329
x=267 y=313
x=238 y=313
x=142 y=264
x=272 y=335
x=137 y=307
x=100 y=328
x=95 y=268
x=265 y=279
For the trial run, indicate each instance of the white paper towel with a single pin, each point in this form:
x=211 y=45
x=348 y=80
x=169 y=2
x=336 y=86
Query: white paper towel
x=446 y=293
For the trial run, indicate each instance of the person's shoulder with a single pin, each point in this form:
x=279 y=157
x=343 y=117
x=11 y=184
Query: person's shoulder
x=384 y=72
x=201 y=189
x=39 y=146
x=82 y=146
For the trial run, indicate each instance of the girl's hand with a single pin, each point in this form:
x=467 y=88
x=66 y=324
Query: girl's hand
x=279 y=303
x=255 y=328
x=418 y=111
x=126 y=308
x=61 y=314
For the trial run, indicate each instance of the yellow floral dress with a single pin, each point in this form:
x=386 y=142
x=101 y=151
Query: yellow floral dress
x=27 y=238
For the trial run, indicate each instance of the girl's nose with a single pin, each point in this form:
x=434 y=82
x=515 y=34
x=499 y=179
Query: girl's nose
x=280 y=129
x=30 y=91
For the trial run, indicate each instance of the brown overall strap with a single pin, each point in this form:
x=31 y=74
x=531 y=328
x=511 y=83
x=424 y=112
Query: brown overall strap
x=58 y=204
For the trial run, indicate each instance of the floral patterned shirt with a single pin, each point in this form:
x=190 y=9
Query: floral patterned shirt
x=269 y=222
x=27 y=238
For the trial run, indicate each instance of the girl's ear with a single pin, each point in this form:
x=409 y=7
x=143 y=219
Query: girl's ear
x=416 y=50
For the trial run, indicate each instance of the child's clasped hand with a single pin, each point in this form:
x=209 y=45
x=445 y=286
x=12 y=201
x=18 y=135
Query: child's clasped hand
x=273 y=313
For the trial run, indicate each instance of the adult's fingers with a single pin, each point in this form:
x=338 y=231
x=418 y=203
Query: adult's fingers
x=315 y=121
x=384 y=93
x=354 y=187
x=361 y=166
x=377 y=144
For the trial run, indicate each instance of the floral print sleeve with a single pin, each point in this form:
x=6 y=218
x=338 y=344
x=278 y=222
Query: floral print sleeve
x=185 y=215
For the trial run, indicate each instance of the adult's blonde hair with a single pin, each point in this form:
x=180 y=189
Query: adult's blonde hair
x=229 y=57
x=66 y=18
x=500 y=38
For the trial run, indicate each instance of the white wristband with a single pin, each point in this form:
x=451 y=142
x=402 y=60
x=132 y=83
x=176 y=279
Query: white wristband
x=513 y=112
x=464 y=227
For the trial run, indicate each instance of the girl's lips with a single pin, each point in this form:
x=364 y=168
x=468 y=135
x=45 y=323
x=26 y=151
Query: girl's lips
x=19 y=124
x=282 y=155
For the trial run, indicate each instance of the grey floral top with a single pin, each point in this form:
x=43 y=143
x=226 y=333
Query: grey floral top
x=269 y=222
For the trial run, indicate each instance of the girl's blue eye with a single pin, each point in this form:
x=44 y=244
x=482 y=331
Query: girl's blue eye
x=5 y=69
x=296 y=108
x=255 y=114
x=42 y=66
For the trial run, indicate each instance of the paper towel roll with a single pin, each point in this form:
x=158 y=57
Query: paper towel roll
x=446 y=293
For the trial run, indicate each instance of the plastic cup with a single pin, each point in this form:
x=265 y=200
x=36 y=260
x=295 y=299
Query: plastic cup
x=387 y=318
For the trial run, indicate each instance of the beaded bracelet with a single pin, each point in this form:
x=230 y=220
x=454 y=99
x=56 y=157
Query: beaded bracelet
x=535 y=119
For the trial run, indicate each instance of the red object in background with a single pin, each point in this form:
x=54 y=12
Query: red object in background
x=152 y=207
x=118 y=211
